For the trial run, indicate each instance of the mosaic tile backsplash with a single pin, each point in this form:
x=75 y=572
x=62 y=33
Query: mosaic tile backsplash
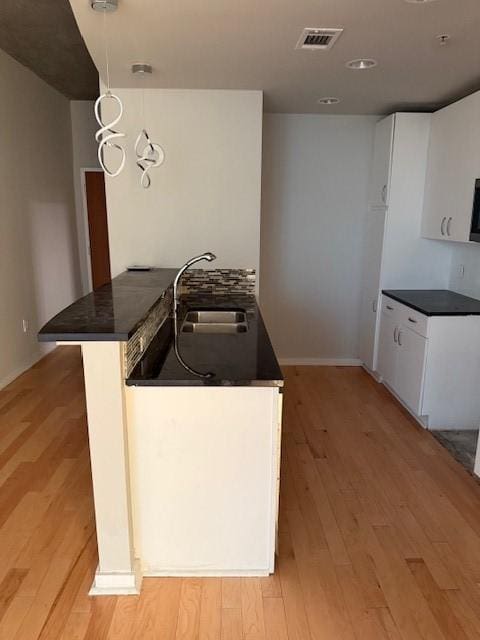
x=219 y=281
x=142 y=338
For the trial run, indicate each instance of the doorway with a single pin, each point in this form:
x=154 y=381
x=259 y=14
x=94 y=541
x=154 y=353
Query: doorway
x=97 y=228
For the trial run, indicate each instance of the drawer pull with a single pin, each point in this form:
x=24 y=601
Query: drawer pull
x=412 y=320
x=399 y=339
x=389 y=308
x=395 y=334
x=449 y=225
x=442 y=226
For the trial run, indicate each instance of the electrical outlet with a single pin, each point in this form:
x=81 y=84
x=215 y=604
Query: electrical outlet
x=25 y=325
x=461 y=271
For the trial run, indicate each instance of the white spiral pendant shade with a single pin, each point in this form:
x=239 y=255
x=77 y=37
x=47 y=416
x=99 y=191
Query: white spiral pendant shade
x=106 y=136
x=150 y=155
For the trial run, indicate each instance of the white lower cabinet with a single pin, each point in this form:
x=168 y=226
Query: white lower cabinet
x=401 y=360
x=410 y=368
x=431 y=364
x=388 y=349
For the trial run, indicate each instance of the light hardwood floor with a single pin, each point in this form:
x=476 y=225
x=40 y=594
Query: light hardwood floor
x=379 y=527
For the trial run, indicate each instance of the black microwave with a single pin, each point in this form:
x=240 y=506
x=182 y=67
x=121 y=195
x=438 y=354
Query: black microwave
x=475 y=228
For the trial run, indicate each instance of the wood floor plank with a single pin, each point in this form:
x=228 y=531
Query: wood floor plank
x=271 y=587
x=379 y=528
x=102 y=613
x=252 y=609
x=232 y=593
x=211 y=610
x=9 y=588
x=122 y=626
x=157 y=612
x=437 y=601
x=189 y=611
x=274 y=617
x=293 y=597
x=232 y=627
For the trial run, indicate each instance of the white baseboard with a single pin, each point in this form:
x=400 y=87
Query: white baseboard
x=117 y=584
x=321 y=362
x=207 y=573
x=21 y=369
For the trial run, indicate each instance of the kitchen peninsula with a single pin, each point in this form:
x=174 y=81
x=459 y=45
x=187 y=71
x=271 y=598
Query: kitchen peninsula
x=184 y=419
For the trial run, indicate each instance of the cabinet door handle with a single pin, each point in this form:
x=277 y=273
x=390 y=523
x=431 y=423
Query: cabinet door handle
x=399 y=338
x=389 y=308
x=412 y=320
x=442 y=226
x=449 y=225
x=374 y=306
x=384 y=194
x=395 y=334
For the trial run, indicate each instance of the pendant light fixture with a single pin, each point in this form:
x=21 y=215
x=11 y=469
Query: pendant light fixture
x=107 y=137
x=150 y=155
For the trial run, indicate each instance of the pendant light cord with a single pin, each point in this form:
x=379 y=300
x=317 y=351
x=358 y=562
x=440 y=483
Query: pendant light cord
x=107 y=136
x=107 y=59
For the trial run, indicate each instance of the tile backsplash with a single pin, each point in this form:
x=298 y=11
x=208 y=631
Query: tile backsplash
x=141 y=339
x=219 y=281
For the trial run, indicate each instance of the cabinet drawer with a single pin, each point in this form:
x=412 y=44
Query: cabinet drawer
x=414 y=320
x=391 y=308
x=402 y=314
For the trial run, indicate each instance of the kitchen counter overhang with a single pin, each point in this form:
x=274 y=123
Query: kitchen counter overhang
x=113 y=312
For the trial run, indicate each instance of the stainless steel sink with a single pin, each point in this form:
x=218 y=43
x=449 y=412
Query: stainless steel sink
x=215 y=321
x=215 y=316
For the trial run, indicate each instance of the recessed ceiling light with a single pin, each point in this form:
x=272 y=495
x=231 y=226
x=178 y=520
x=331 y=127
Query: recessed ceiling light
x=362 y=63
x=329 y=100
x=141 y=69
x=104 y=5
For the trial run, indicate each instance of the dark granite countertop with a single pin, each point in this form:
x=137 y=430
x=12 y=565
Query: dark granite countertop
x=436 y=302
x=112 y=312
x=234 y=360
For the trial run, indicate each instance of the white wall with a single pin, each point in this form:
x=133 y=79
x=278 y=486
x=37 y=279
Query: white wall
x=38 y=246
x=206 y=197
x=468 y=257
x=314 y=203
x=84 y=146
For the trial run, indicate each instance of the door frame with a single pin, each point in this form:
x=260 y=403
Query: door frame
x=86 y=229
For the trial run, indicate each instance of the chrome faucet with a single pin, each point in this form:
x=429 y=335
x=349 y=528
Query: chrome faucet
x=205 y=256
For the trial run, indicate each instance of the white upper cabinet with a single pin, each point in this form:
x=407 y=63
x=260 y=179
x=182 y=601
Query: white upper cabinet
x=453 y=166
x=382 y=157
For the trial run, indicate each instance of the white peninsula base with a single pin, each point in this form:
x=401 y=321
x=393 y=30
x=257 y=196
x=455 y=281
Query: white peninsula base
x=204 y=464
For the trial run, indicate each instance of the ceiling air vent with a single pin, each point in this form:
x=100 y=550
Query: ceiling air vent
x=318 y=39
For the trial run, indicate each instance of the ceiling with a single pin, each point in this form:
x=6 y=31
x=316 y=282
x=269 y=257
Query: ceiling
x=43 y=36
x=250 y=44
